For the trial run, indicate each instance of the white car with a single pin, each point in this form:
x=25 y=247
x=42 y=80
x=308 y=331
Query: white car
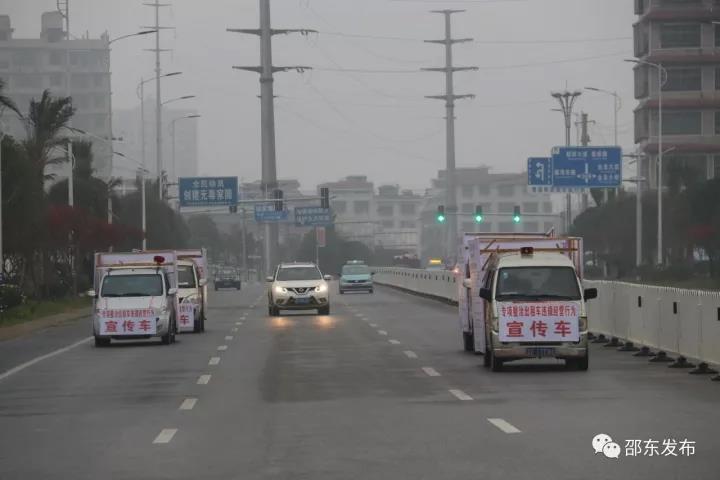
x=298 y=286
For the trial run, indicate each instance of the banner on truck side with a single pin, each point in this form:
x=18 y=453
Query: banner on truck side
x=186 y=317
x=120 y=322
x=539 y=322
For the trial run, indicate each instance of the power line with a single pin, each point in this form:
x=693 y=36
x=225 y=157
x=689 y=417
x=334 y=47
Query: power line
x=553 y=62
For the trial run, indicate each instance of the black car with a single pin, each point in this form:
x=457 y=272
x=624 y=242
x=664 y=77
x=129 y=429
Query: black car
x=227 y=278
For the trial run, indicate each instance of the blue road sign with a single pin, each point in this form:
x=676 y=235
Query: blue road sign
x=587 y=167
x=312 y=216
x=539 y=172
x=266 y=213
x=208 y=191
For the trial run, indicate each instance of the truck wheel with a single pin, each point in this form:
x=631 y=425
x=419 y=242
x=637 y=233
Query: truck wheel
x=102 y=342
x=169 y=338
x=496 y=364
x=486 y=353
x=580 y=364
x=468 y=342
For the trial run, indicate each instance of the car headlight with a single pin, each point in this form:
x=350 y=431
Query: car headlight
x=321 y=288
x=279 y=289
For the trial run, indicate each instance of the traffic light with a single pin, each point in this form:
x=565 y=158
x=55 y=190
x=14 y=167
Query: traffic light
x=325 y=197
x=516 y=215
x=279 y=207
x=441 y=214
x=479 y=214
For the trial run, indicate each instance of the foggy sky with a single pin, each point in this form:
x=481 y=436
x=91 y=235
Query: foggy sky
x=333 y=124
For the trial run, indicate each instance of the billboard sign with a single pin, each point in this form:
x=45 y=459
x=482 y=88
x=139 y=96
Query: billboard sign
x=208 y=191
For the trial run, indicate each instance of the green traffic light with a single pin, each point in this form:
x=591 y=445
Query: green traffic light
x=479 y=218
x=516 y=219
x=441 y=218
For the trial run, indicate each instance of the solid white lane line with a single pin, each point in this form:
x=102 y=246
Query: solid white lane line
x=460 y=395
x=382 y=332
x=394 y=342
x=228 y=337
x=431 y=372
x=166 y=435
x=410 y=354
x=204 y=379
x=503 y=425
x=32 y=362
x=188 y=404
x=374 y=325
x=222 y=348
x=214 y=361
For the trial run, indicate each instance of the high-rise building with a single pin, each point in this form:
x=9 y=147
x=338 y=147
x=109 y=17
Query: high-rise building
x=31 y=65
x=682 y=38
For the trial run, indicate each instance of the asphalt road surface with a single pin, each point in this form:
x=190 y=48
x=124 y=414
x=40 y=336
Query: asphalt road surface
x=380 y=389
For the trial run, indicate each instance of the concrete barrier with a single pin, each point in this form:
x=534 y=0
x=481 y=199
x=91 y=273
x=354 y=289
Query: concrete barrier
x=678 y=321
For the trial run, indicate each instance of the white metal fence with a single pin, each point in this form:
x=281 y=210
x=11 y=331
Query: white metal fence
x=674 y=320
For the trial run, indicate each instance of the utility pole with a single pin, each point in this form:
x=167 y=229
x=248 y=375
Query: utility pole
x=449 y=98
x=267 y=128
x=567 y=101
x=158 y=94
x=584 y=141
x=244 y=246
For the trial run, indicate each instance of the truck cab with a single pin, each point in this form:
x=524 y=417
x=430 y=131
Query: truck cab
x=535 y=308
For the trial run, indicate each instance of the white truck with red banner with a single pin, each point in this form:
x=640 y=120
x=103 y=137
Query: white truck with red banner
x=192 y=289
x=524 y=299
x=135 y=296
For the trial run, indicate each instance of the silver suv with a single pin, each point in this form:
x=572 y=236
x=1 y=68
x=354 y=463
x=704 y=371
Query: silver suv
x=298 y=286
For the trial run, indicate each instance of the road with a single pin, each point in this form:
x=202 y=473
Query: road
x=378 y=390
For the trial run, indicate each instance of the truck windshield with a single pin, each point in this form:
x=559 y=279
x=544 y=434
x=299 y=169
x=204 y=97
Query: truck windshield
x=186 y=276
x=355 y=270
x=559 y=283
x=298 y=273
x=146 y=285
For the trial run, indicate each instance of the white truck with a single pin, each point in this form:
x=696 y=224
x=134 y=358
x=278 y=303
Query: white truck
x=135 y=297
x=525 y=299
x=192 y=289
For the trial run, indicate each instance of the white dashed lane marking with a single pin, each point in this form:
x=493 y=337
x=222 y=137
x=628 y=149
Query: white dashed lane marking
x=410 y=354
x=503 y=425
x=214 y=361
x=374 y=325
x=188 y=404
x=460 y=395
x=238 y=323
x=431 y=372
x=394 y=342
x=222 y=348
x=166 y=435
x=228 y=337
x=382 y=332
x=234 y=329
x=204 y=379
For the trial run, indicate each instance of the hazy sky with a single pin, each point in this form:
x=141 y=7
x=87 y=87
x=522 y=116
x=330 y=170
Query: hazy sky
x=336 y=123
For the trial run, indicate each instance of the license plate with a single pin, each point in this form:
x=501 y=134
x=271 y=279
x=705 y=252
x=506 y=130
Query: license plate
x=302 y=300
x=540 y=352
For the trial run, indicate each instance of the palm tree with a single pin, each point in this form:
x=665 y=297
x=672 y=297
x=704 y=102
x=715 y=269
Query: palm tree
x=5 y=101
x=44 y=123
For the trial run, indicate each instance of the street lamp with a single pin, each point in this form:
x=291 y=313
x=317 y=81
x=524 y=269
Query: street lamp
x=141 y=171
x=141 y=95
x=617 y=107
x=177 y=99
x=662 y=79
x=567 y=100
x=172 y=134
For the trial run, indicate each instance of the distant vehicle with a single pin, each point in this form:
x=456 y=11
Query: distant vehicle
x=134 y=297
x=227 y=278
x=192 y=289
x=356 y=276
x=435 y=264
x=406 y=261
x=298 y=286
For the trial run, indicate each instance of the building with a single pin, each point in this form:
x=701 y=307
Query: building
x=680 y=36
x=385 y=219
x=498 y=194
x=128 y=127
x=31 y=65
